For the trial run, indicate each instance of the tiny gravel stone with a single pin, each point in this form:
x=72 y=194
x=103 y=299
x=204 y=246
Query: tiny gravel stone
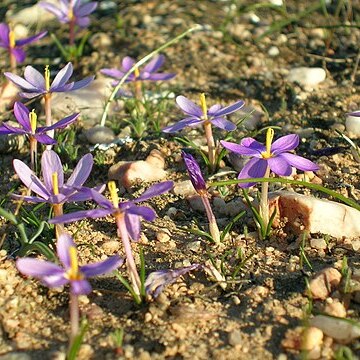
x=318 y=244
x=324 y=283
x=162 y=236
x=352 y=125
x=194 y=246
x=312 y=337
x=274 y=51
x=307 y=76
x=111 y=246
x=235 y=338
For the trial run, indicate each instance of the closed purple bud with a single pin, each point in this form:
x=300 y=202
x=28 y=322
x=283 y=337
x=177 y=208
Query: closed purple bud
x=194 y=172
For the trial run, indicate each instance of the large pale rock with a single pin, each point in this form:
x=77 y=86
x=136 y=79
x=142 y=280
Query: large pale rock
x=9 y=93
x=307 y=213
x=338 y=329
x=311 y=337
x=324 y=282
x=306 y=76
x=89 y=101
x=129 y=172
x=32 y=15
x=99 y=135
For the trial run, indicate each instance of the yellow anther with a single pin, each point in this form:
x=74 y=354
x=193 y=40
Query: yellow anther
x=47 y=78
x=113 y=193
x=73 y=273
x=33 y=120
x=203 y=105
x=55 y=183
x=136 y=73
x=71 y=13
x=12 y=42
x=269 y=139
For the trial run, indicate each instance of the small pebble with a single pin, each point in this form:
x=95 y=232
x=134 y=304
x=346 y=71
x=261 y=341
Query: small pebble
x=99 y=135
x=306 y=76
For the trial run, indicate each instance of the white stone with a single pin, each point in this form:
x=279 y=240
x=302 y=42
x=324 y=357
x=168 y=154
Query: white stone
x=311 y=337
x=338 y=329
x=89 y=101
x=352 y=124
x=32 y=15
x=273 y=51
x=307 y=213
x=99 y=135
x=276 y=2
x=306 y=76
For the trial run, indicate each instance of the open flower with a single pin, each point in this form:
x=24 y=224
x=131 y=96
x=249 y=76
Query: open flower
x=34 y=83
x=149 y=72
x=27 y=121
x=129 y=209
x=53 y=275
x=76 y=11
x=14 y=47
x=199 y=115
x=274 y=155
x=53 y=190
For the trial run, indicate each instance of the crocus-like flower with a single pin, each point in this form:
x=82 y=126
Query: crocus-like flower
x=76 y=11
x=28 y=121
x=53 y=275
x=199 y=115
x=131 y=211
x=194 y=172
x=14 y=47
x=157 y=280
x=34 y=83
x=53 y=190
x=274 y=155
x=149 y=72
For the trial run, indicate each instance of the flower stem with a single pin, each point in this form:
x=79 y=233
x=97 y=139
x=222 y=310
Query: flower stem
x=74 y=317
x=211 y=144
x=72 y=32
x=130 y=262
x=214 y=230
x=58 y=211
x=13 y=63
x=33 y=153
x=48 y=117
x=264 y=200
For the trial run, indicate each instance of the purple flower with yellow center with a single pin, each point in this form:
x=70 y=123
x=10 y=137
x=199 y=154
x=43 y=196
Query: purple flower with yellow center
x=53 y=275
x=149 y=72
x=13 y=46
x=202 y=115
x=127 y=216
x=128 y=209
x=34 y=83
x=28 y=125
x=53 y=189
x=273 y=156
x=73 y=11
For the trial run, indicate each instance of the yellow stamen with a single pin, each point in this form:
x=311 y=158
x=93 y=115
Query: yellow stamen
x=33 y=120
x=203 y=105
x=73 y=273
x=12 y=39
x=113 y=193
x=137 y=73
x=55 y=183
x=70 y=13
x=269 y=138
x=47 y=78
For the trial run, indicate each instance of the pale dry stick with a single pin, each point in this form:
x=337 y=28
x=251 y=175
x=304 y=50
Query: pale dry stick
x=139 y=63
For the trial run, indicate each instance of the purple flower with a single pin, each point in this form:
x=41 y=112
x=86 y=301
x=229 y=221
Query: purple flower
x=76 y=11
x=14 y=47
x=354 y=113
x=34 y=83
x=27 y=120
x=149 y=72
x=194 y=171
x=129 y=209
x=199 y=115
x=53 y=275
x=157 y=280
x=53 y=190
x=273 y=155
